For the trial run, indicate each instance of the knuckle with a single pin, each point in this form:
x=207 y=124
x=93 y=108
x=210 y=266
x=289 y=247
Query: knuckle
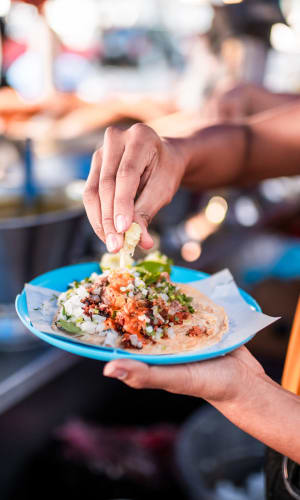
x=137 y=128
x=126 y=168
x=106 y=182
x=140 y=130
x=107 y=221
x=97 y=156
x=125 y=202
x=110 y=133
x=136 y=383
x=146 y=217
x=99 y=229
x=140 y=381
x=88 y=195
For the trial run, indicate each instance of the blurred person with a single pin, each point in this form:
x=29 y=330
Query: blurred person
x=203 y=70
x=16 y=110
x=132 y=176
x=227 y=104
x=243 y=100
x=214 y=59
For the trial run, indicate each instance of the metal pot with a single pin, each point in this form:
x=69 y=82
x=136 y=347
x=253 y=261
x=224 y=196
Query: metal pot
x=34 y=244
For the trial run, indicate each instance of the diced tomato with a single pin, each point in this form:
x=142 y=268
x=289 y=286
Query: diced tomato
x=119 y=280
x=196 y=331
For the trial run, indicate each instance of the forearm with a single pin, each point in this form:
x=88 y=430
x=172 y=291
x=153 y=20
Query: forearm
x=262 y=99
x=264 y=147
x=269 y=413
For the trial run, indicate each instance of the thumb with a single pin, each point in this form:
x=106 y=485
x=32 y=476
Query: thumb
x=143 y=220
x=142 y=376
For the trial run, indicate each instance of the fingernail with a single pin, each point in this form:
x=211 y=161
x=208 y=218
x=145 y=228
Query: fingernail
x=111 y=242
x=121 y=223
x=118 y=373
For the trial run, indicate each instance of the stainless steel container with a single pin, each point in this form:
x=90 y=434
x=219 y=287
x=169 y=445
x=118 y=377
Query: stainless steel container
x=34 y=244
x=31 y=245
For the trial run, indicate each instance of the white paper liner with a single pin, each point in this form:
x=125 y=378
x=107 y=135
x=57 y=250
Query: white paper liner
x=244 y=320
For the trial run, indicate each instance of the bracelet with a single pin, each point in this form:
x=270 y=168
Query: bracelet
x=286 y=473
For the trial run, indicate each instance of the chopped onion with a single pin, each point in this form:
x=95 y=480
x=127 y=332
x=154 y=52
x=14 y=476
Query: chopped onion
x=97 y=318
x=170 y=333
x=164 y=296
x=135 y=341
x=111 y=338
x=88 y=327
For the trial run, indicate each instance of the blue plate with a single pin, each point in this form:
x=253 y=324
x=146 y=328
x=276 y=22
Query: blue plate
x=59 y=280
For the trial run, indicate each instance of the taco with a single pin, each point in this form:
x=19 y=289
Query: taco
x=139 y=308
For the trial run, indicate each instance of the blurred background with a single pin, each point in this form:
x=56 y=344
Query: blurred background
x=69 y=69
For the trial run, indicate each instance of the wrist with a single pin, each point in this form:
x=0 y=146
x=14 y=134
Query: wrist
x=218 y=156
x=242 y=395
x=181 y=149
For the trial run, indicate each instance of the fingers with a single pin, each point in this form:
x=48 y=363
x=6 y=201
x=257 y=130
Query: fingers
x=155 y=195
x=112 y=153
x=131 y=167
x=91 y=197
x=127 y=164
x=143 y=220
x=218 y=380
x=141 y=376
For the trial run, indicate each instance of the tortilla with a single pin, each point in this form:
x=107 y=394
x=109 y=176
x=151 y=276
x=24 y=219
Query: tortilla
x=210 y=317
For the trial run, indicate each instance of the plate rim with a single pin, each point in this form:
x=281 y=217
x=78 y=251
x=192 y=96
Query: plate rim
x=106 y=353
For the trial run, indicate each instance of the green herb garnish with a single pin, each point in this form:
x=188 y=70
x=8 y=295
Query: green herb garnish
x=65 y=312
x=68 y=326
x=150 y=271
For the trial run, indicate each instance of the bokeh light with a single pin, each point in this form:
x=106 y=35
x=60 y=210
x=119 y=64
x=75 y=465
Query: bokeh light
x=246 y=211
x=284 y=38
x=4 y=7
x=191 y=251
x=216 y=209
